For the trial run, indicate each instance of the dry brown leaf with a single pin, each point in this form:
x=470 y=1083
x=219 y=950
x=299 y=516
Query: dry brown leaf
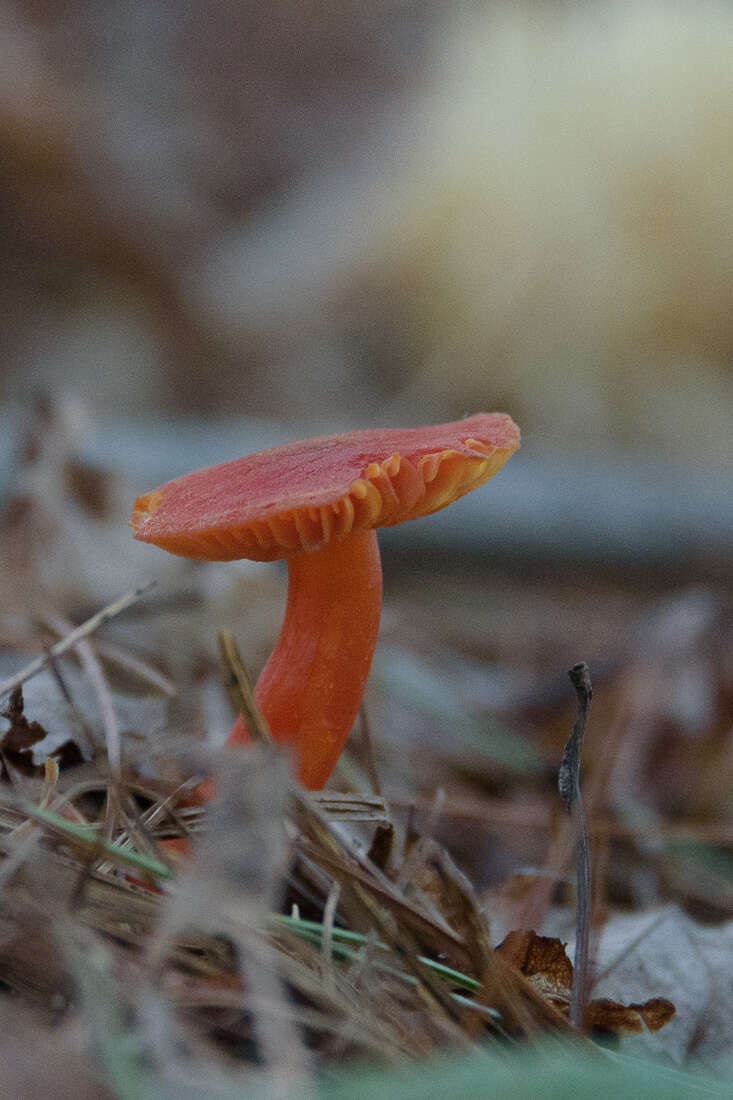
x=543 y=960
x=611 y=1018
x=21 y=735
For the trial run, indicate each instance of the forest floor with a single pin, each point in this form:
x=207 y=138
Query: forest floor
x=425 y=903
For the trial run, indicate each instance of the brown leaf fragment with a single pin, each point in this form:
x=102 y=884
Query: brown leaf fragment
x=543 y=961
x=656 y=1012
x=68 y=754
x=22 y=735
x=611 y=1018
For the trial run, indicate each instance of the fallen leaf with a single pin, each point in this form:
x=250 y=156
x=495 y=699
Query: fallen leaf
x=609 y=1017
x=544 y=962
x=21 y=735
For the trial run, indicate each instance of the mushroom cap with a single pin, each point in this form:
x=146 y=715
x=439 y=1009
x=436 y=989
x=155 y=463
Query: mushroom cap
x=298 y=497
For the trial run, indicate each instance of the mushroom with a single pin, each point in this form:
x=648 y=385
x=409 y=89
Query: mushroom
x=317 y=503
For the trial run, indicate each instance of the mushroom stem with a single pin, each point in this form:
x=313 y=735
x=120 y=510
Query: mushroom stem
x=311 y=687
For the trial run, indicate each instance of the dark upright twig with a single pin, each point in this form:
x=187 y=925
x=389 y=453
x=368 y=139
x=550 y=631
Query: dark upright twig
x=569 y=785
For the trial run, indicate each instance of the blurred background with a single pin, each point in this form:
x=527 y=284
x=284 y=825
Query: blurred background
x=226 y=225
x=313 y=215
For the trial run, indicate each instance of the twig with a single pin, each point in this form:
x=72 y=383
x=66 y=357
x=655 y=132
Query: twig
x=83 y=735
x=139 y=668
x=497 y=813
x=93 y=669
x=569 y=786
x=86 y=628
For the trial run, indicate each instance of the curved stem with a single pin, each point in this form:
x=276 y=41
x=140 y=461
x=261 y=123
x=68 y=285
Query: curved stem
x=312 y=685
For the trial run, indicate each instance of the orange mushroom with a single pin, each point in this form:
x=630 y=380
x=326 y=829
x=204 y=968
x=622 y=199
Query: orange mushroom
x=317 y=503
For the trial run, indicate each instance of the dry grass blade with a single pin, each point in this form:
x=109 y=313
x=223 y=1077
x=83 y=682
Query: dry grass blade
x=86 y=840
x=335 y=854
x=365 y=731
x=353 y=807
x=79 y=632
x=437 y=873
x=93 y=669
x=118 y=656
x=378 y=901
x=239 y=688
x=407 y=927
